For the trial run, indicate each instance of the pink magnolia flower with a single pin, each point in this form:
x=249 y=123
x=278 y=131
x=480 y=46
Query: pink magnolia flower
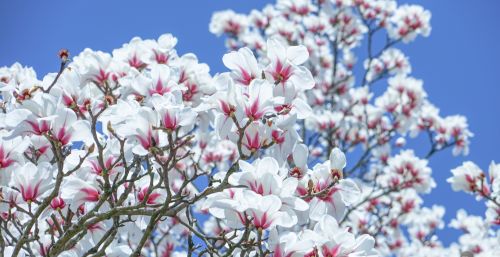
x=67 y=128
x=457 y=132
x=163 y=51
x=158 y=82
x=291 y=244
x=409 y=22
x=112 y=166
x=259 y=100
x=297 y=7
x=42 y=117
x=75 y=192
x=470 y=224
x=195 y=79
x=494 y=176
x=17 y=82
x=11 y=152
x=284 y=141
x=300 y=158
x=134 y=53
x=408 y=171
x=143 y=127
x=339 y=242
x=143 y=195
x=255 y=137
x=228 y=22
x=466 y=177
x=263 y=211
x=32 y=181
x=173 y=115
x=332 y=197
x=243 y=65
x=284 y=69
x=74 y=91
x=391 y=61
x=264 y=177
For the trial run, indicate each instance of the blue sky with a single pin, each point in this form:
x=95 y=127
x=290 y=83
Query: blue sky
x=458 y=62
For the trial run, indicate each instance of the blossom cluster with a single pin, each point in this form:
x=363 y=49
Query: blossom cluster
x=357 y=114
x=332 y=32
x=142 y=152
x=89 y=154
x=481 y=234
x=109 y=156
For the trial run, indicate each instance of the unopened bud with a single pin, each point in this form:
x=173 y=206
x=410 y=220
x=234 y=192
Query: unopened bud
x=110 y=128
x=109 y=100
x=64 y=55
x=91 y=148
x=400 y=142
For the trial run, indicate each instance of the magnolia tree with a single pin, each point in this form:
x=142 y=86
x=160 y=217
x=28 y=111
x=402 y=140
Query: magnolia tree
x=143 y=153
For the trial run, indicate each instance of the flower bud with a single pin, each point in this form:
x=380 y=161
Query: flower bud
x=91 y=148
x=64 y=55
x=400 y=142
x=110 y=128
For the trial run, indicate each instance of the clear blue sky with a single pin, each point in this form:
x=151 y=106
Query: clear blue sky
x=459 y=62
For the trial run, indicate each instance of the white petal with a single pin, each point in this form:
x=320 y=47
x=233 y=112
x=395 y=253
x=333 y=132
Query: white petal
x=297 y=54
x=275 y=50
x=317 y=209
x=300 y=155
x=337 y=159
x=232 y=60
x=349 y=190
x=302 y=78
x=13 y=118
x=268 y=165
x=81 y=132
x=302 y=108
x=289 y=186
x=139 y=150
